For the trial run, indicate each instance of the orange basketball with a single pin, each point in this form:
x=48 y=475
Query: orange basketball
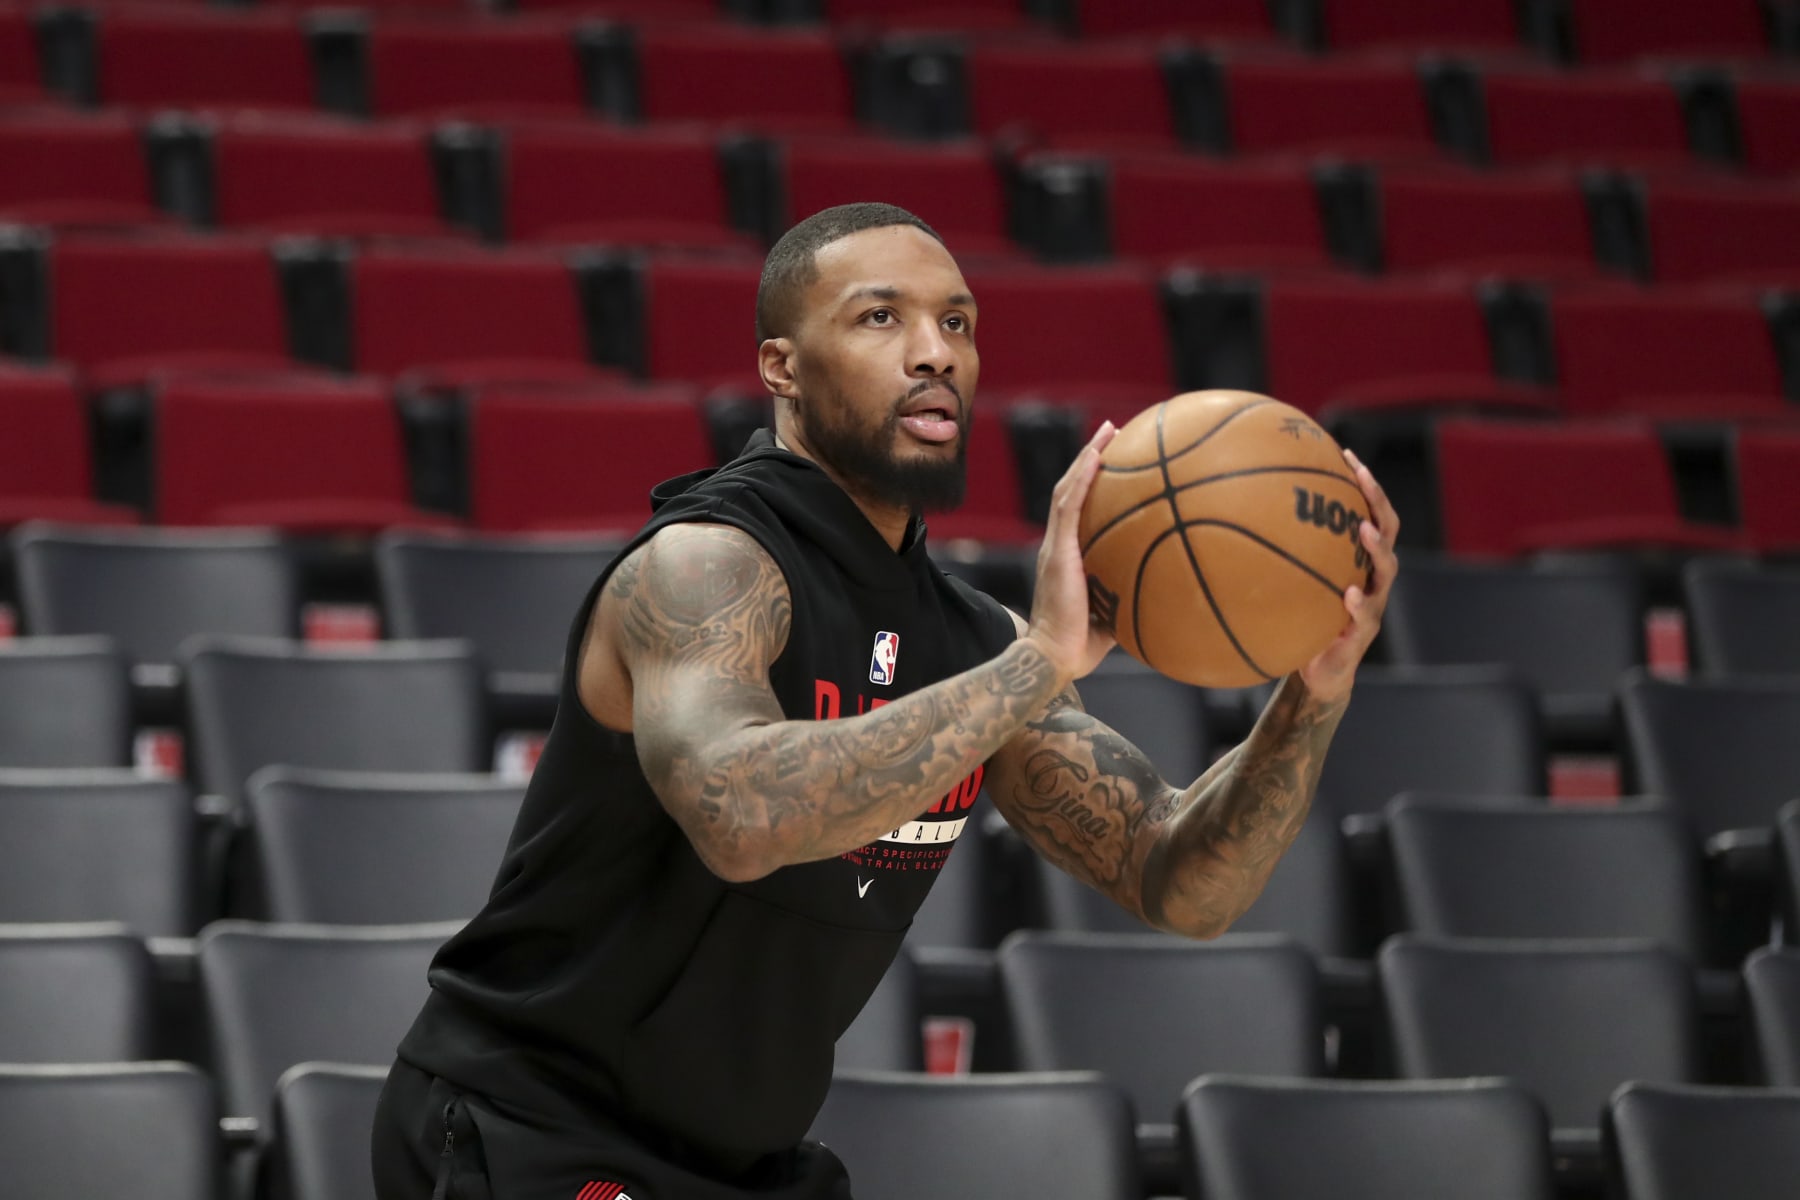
x=1219 y=537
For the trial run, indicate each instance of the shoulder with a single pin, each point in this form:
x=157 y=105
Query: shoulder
x=693 y=582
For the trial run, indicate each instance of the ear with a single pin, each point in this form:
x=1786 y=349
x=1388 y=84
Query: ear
x=775 y=360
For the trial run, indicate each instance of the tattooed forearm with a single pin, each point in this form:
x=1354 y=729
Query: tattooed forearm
x=699 y=620
x=1190 y=860
x=1212 y=861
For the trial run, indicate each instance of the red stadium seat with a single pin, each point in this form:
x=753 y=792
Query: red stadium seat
x=204 y=57
x=477 y=68
x=1061 y=332
x=1364 y=109
x=549 y=460
x=969 y=16
x=1617 y=30
x=1072 y=96
x=74 y=169
x=700 y=322
x=1665 y=354
x=1357 y=344
x=780 y=82
x=20 y=81
x=1511 y=488
x=1769 y=117
x=1206 y=20
x=45 y=470
x=589 y=183
x=956 y=189
x=467 y=316
x=326 y=177
x=1768 y=478
x=1422 y=24
x=1738 y=233
x=1170 y=208
x=1479 y=223
x=1585 y=118
x=304 y=455
x=123 y=305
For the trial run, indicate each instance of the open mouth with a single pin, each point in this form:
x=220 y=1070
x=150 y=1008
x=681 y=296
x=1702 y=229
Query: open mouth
x=932 y=417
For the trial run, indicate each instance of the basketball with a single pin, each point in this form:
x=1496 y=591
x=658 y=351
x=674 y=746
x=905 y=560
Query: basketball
x=1219 y=536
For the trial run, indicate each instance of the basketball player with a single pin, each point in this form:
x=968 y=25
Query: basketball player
x=778 y=717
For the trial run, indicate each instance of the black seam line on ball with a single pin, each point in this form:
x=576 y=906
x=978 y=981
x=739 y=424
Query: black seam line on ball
x=1141 y=505
x=1223 y=421
x=1266 y=544
x=1137 y=594
x=1169 y=493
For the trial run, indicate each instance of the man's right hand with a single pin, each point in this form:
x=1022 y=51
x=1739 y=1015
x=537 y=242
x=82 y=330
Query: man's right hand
x=1059 y=607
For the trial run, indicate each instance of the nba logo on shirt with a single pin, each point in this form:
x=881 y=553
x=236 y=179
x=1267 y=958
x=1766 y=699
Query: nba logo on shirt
x=881 y=664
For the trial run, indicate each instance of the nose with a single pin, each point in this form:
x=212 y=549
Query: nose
x=929 y=351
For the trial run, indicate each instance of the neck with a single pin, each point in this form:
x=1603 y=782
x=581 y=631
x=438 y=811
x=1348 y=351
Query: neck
x=890 y=521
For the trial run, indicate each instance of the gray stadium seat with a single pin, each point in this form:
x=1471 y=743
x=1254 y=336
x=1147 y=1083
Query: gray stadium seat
x=319 y=1144
x=64 y=702
x=1688 y=1143
x=1248 y=1138
x=353 y=848
x=1569 y=1020
x=1772 y=980
x=252 y=703
x=886 y=1035
x=279 y=995
x=999 y=1137
x=1741 y=617
x=75 y=993
x=101 y=845
x=148 y=1131
x=1152 y=1013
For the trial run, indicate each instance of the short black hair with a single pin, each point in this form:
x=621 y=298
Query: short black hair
x=793 y=261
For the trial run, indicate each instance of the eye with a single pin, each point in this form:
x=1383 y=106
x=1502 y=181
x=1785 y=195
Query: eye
x=956 y=323
x=881 y=316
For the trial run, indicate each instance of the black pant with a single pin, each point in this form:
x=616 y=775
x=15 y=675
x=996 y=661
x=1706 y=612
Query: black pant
x=431 y=1142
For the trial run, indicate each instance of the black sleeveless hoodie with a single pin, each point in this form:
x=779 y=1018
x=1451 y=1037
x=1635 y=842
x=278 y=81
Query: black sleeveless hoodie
x=611 y=976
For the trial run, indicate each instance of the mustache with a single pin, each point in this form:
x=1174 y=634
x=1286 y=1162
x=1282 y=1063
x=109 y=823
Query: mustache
x=926 y=385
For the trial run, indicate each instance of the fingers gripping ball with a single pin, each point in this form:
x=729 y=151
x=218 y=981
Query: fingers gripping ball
x=1219 y=537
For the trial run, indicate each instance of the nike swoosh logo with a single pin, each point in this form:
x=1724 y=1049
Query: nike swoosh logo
x=862 y=888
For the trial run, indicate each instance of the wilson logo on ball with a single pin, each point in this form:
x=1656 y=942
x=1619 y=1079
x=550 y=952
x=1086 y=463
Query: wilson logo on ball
x=1333 y=515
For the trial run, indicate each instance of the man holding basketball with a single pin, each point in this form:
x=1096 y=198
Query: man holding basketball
x=777 y=718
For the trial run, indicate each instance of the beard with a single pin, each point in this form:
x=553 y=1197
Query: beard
x=866 y=459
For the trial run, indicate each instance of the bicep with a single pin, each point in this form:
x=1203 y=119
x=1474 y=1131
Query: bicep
x=697 y=616
x=1085 y=798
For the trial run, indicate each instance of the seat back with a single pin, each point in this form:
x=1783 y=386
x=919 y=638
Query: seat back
x=342 y=848
x=148 y=590
x=1065 y=993
x=1669 y=1143
x=1724 y=750
x=1568 y=1020
x=146 y=1130
x=100 y=846
x=1772 y=981
x=64 y=702
x=887 y=1035
x=1245 y=1138
x=75 y=993
x=512 y=599
x=1631 y=871
x=1740 y=617
x=280 y=995
x=1462 y=730
x=320 y=1142
x=986 y=1134
x=411 y=706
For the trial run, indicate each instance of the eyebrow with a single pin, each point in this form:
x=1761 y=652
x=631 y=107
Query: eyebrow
x=960 y=299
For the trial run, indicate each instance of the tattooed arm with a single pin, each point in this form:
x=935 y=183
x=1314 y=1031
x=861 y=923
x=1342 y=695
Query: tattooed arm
x=689 y=624
x=1191 y=861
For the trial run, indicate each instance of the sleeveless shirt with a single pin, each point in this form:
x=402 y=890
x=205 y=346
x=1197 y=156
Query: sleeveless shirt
x=611 y=977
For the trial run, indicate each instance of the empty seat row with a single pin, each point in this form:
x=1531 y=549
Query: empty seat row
x=1243 y=1138
x=149 y=853
x=124 y=305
